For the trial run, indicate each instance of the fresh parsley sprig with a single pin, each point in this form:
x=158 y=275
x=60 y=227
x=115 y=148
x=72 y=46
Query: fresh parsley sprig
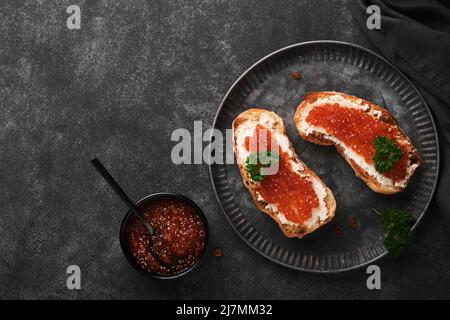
x=398 y=223
x=387 y=154
x=256 y=162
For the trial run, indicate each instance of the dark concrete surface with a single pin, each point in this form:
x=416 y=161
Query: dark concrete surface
x=116 y=89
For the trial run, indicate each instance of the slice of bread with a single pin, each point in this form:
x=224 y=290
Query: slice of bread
x=316 y=133
x=244 y=126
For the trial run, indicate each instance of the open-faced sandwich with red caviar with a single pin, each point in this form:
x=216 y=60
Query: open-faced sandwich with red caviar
x=366 y=135
x=281 y=185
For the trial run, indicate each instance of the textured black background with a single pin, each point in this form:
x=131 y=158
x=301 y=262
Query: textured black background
x=116 y=89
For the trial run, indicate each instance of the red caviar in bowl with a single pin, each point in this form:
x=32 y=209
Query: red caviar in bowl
x=179 y=236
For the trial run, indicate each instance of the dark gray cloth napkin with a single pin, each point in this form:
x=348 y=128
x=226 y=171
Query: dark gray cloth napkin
x=415 y=37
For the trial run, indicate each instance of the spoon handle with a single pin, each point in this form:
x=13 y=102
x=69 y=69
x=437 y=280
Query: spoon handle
x=119 y=191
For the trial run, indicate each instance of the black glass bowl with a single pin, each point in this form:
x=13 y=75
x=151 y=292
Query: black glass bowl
x=155 y=197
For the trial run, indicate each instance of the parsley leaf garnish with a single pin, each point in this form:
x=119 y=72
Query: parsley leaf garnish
x=387 y=154
x=398 y=224
x=256 y=162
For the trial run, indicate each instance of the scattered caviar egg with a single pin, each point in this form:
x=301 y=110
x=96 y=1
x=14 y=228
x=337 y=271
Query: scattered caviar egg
x=218 y=252
x=353 y=224
x=296 y=75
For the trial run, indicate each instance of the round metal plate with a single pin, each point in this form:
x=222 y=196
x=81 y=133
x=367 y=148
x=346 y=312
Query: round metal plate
x=326 y=66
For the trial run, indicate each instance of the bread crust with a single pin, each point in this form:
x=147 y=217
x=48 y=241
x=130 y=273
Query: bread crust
x=289 y=230
x=385 y=116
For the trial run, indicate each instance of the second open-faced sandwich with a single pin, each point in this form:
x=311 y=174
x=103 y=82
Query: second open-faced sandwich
x=366 y=135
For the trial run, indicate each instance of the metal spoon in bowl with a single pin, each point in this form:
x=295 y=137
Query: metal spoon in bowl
x=165 y=260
